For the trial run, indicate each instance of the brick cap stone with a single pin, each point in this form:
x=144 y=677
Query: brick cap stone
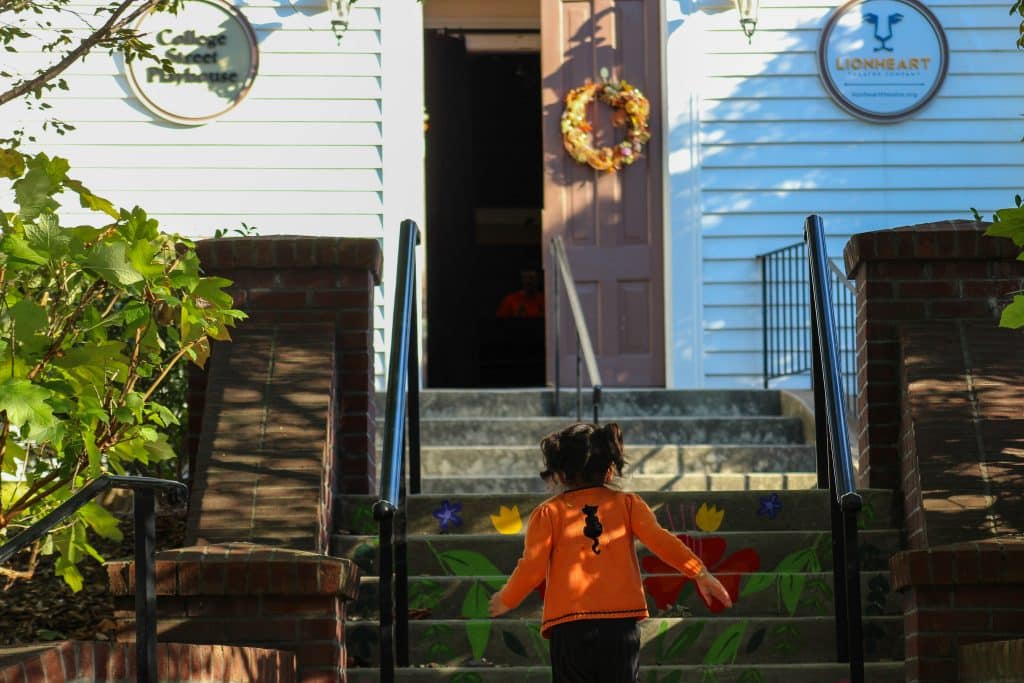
x=997 y=561
x=961 y=240
x=274 y=252
x=996 y=660
x=240 y=568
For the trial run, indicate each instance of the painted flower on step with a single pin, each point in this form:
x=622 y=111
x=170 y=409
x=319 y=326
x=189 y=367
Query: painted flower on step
x=710 y=549
x=507 y=521
x=770 y=506
x=709 y=518
x=448 y=515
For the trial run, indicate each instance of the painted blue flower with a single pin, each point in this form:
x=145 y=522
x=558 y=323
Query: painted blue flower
x=770 y=506
x=448 y=515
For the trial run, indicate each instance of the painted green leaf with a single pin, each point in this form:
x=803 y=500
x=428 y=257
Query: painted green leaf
x=479 y=632
x=660 y=640
x=796 y=562
x=755 y=583
x=468 y=563
x=687 y=638
x=791 y=586
x=672 y=677
x=1013 y=314
x=756 y=640
x=513 y=643
x=110 y=262
x=726 y=645
x=474 y=605
x=751 y=676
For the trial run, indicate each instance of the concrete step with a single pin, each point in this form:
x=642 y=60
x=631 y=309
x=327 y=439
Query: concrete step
x=442 y=597
x=501 y=552
x=618 y=403
x=484 y=461
x=637 y=482
x=506 y=431
x=875 y=672
x=511 y=641
x=680 y=511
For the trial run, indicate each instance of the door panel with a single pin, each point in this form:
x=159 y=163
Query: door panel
x=611 y=222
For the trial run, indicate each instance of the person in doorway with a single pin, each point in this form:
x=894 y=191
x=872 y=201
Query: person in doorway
x=525 y=302
x=581 y=542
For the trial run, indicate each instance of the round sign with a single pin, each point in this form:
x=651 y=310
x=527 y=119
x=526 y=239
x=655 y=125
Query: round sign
x=213 y=50
x=883 y=60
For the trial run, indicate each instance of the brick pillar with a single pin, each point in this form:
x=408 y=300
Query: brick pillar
x=245 y=594
x=294 y=279
x=954 y=596
x=934 y=271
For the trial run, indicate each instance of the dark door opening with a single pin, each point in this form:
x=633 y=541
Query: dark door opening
x=484 y=306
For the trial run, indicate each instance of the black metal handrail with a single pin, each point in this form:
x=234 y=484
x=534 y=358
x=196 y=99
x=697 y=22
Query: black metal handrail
x=785 y=327
x=584 y=348
x=145 y=552
x=401 y=429
x=835 y=465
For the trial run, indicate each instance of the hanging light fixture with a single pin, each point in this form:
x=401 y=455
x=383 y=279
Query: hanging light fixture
x=747 y=10
x=339 y=11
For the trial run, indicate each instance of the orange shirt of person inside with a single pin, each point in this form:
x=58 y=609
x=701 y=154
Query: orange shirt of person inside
x=526 y=302
x=581 y=543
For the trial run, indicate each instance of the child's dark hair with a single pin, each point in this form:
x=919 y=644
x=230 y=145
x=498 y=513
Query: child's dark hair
x=582 y=453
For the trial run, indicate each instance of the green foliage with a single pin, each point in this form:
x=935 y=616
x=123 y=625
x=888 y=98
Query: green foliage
x=93 y=323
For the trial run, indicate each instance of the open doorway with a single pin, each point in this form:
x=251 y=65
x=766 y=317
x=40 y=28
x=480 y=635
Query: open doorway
x=484 y=305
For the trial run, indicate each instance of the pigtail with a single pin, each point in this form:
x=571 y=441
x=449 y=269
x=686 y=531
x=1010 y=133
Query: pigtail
x=582 y=453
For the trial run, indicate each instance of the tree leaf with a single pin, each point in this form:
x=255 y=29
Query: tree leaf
x=479 y=632
x=12 y=164
x=468 y=563
x=25 y=403
x=513 y=643
x=66 y=569
x=110 y=262
x=17 y=250
x=1013 y=314
x=726 y=645
x=34 y=192
x=46 y=237
x=88 y=200
x=30 y=319
x=791 y=586
x=101 y=521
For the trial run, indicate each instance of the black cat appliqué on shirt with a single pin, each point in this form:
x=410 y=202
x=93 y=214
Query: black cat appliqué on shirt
x=592 y=528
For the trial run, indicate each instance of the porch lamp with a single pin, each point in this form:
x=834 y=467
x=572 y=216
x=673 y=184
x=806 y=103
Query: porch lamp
x=747 y=10
x=339 y=12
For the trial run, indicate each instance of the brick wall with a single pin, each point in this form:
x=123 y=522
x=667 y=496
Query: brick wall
x=934 y=271
x=115 y=663
x=954 y=596
x=244 y=594
x=309 y=280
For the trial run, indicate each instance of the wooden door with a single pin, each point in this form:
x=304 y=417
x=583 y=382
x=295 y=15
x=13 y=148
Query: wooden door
x=611 y=223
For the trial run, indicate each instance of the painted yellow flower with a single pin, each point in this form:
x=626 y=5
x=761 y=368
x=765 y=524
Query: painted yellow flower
x=508 y=521
x=709 y=518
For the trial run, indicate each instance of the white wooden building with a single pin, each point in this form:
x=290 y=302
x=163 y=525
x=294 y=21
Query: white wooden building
x=330 y=141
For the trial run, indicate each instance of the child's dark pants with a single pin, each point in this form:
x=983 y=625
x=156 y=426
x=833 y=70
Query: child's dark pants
x=596 y=651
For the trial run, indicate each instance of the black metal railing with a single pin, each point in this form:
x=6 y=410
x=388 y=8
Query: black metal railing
x=835 y=466
x=785 y=326
x=401 y=430
x=145 y=552
x=584 y=348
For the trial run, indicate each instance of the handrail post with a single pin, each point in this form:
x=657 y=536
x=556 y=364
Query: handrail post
x=555 y=269
x=401 y=574
x=386 y=601
x=145 y=585
x=413 y=397
x=597 y=404
x=579 y=381
x=765 y=370
x=851 y=592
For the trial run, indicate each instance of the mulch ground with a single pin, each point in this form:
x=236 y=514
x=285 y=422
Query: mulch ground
x=44 y=607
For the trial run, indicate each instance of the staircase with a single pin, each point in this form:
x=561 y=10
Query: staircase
x=724 y=468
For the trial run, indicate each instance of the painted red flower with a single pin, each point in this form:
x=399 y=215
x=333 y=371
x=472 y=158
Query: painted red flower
x=710 y=549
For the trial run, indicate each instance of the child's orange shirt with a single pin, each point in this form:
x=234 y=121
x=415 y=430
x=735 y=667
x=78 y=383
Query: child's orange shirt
x=592 y=575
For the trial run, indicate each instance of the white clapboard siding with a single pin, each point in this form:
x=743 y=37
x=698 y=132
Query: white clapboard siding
x=774 y=147
x=304 y=153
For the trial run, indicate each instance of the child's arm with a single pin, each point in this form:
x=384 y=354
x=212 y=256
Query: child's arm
x=532 y=567
x=673 y=551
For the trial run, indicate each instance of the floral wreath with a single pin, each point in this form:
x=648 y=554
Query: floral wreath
x=631 y=109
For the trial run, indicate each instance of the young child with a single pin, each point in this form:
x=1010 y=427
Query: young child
x=581 y=543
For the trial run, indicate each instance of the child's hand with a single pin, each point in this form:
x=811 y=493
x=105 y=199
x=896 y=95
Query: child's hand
x=496 y=607
x=710 y=587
